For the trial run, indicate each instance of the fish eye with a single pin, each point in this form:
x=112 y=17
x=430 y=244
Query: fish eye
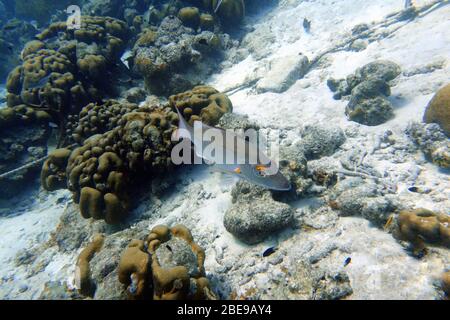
x=259 y=172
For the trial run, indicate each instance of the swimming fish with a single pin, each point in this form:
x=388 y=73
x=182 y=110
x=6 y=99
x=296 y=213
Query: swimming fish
x=408 y=3
x=42 y=82
x=261 y=174
x=218 y=6
x=306 y=25
x=126 y=57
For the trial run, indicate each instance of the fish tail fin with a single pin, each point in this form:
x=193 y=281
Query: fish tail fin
x=184 y=129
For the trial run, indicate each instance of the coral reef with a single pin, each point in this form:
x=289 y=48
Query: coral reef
x=168 y=263
x=368 y=88
x=123 y=144
x=255 y=215
x=438 y=110
x=63 y=74
x=432 y=140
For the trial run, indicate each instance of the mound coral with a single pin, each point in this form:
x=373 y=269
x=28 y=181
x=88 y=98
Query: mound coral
x=169 y=264
x=438 y=110
x=96 y=118
x=96 y=176
x=63 y=70
x=190 y=16
x=422 y=226
x=202 y=103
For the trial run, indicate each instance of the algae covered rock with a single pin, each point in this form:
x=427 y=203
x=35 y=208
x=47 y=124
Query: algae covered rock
x=432 y=140
x=356 y=197
x=438 y=110
x=320 y=141
x=255 y=215
x=368 y=88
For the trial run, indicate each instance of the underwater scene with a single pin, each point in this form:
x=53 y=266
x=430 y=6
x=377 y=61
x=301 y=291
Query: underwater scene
x=224 y=150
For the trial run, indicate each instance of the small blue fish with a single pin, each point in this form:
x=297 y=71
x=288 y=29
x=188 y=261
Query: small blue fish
x=259 y=174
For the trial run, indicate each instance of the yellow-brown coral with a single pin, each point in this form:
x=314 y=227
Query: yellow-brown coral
x=171 y=280
x=53 y=174
x=420 y=226
x=202 y=103
x=83 y=271
x=438 y=110
x=134 y=270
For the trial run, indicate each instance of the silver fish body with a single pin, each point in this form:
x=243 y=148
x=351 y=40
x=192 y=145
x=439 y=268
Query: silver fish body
x=240 y=156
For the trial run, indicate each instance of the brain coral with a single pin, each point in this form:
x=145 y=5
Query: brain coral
x=438 y=110
x=420 y=225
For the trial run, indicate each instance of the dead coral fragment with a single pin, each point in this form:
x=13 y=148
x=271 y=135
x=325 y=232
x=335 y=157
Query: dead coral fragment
x=83 y=270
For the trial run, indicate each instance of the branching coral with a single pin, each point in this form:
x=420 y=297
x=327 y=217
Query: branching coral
x=134 y=270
